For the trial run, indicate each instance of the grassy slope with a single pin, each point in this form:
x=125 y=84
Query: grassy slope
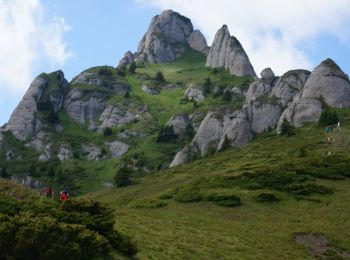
x=252 y=231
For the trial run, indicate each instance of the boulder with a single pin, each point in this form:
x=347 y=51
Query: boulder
x=64 y=152
x=236 y=130
x=331 y=83
x=302 y=111
x=165 y=39
x=182 y=157
x=150 y=90
x=91 y=151
x=197 y=42
x=289 y=87
x=194 y=92
x=179 y=123
x=119 y=114
x=258 y=89
x=117 y=148
x=31 y=183
x=126 y=60
x=227 y=52
x=267 y=75
x=262 y=116
x=45 y=152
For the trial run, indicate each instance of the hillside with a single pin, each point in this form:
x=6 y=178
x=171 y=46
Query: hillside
x=174 y=215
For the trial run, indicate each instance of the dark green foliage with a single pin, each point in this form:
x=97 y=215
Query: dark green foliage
x=77 y=229
x=227 y=96
x=127 y=95
x=266 y=197
x=207 y=86
x=167 y=134
x=225 y=200
x=194 y=105
x=107 y=131
x=4 y=173
x=189 y=132
x=123 y=175
x=188 y=196
x=328 y=117
x=287 y=128
x=47 y=111
x=308 y=189
x=105 y=71
x=132 y=67
x=160 y=77
x=302 y=152
x=120 y=72
x=32 y=170
x=52 y=172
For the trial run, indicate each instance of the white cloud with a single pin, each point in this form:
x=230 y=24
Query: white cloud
x=29 y=37
x=271 y=31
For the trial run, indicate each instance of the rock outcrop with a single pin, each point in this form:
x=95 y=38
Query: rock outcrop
x=227 y=52
x=150 y=90
x=329 y=82
x=91 y=151
x=194 y=92
x=166 y=38
x=198 y=42
x=117 y=148
x=127 y=59
x=23 y=121
x=180 y=123
x=64 y=152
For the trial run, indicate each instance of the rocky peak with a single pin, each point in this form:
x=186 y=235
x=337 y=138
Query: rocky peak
x=45 y=93
x=227 y=52
x=267 y=75
x=330 y=82
x=165 y=39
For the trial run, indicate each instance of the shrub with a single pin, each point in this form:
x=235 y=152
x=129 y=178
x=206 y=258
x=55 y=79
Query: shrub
x=227 y=95
x=127 y=95
x=160 y=77
x=207 y=86
x=302 y=152
x=4 y=173
x=225 y=200
x=167 y=134
x=266 y=197
x=107 y=131
x=132 y=67
x=328 y=116
x=120 y=72
x=151 y=204
x=123 y=176
x=287 y=128
x=105 y=71
x=188 y=196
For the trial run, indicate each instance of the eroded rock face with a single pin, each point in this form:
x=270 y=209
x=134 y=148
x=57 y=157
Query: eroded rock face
x=119 y=114
x=289 y=87
x=64 y=152
x=165 y=39
x=150 y=90
x=331 y=83
x=23 y=121
x=194 y=93
x=197 y=42
x=304 y=110
x=91 y=151
x=267 y=75
x=179 y=123
x=117 y=148
x=127 y=59
x=262 y=116
x=227 y=52
x=81 y=107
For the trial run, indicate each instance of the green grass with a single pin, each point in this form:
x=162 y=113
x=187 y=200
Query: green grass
x=201 y=229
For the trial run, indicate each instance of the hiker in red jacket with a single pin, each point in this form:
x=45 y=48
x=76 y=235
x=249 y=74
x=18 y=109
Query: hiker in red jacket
x=64 y=195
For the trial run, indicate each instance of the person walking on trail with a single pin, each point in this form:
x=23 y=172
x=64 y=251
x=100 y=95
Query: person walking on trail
x=48 y=192
x=329 y=139
x=64 y=195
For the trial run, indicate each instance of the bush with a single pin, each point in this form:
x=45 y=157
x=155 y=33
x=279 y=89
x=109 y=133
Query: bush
x=287 y=128
x=188 y=196
x=207 y=86
x=225 y=200
x=151 y=204
x=123 y=176
x=328 y=116
x=107 y=131
x=105 y=71
x=227 y=95
x=167 y=134
x=132 y=67
x=160 y=77
x=120 y=72
x=4 y=173
x=266 y=197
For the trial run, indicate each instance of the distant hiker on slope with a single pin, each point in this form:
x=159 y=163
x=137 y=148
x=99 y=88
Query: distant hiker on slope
x=64 y=195
x=48 y=192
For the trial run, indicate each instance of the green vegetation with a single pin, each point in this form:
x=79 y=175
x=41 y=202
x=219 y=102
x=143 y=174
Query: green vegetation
x=35 y=228
x=312 y=192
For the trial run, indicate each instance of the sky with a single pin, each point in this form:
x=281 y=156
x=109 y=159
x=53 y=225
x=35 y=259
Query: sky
x=73 y=35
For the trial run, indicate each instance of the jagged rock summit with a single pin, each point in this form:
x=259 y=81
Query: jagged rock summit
x=167 y=37
x=227 y=52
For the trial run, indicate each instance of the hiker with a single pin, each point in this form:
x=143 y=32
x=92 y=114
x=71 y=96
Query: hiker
x=48 y=192
x=329 y=139
x=64 y=195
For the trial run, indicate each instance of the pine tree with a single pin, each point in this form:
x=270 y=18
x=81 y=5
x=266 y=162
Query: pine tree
x=160 y=77
x=132 y=67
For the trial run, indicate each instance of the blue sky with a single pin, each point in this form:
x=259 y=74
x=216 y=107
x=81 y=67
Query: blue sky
x=73 y=35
